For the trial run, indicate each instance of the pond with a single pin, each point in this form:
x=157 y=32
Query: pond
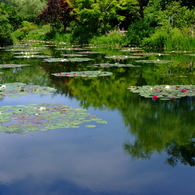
x=74 y=122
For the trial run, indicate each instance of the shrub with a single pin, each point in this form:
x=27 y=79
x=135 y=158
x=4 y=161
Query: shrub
x=62 y=37
x=157 y=40
x=113 y=38
x=169 y=39
x=137 y=32
x=178 y=40
x=38 y=33
x=26 y=27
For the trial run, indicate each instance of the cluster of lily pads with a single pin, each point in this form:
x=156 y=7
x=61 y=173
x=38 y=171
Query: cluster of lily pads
x=107 y=65
x=83 y=74
x=43 y=117
x=149 y=54
x=90 y=52
x=164 y=92
x=70 y=48
x=19 y=89
x=27 y=53
x=132 y=49
x=12 y=65
x=158 y=61
x=73 y=55
x=32 y=56
x=28 y=49
x=120 y=57
x=67 y=59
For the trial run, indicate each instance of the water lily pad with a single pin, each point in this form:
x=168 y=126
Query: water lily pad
x=122 y=57
x=107 y=65
x=90 y=126
x=18 y=89
x=32 y=56
x=67 y=59
x=164 y=92
x=191 y=54
x=27 y=53
x=73 y=55
x=90 y=52
x=32 y=117
x=69 y=48
x=12 y=65
x=154 y=61
x=150 y=54
x=26 y=49
x=177 y=52
x=83 y=74
x=131 y=49
x=135 y=57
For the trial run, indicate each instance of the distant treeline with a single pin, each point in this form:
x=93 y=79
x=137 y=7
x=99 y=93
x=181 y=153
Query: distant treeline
x=155 y=24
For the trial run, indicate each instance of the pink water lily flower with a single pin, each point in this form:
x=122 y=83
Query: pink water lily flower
x=184 y=90
x=154 y=97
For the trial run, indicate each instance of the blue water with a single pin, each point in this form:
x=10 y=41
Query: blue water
x=84 y=161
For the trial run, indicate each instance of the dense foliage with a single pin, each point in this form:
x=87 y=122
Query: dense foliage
x=155 y=24
x=57 y=13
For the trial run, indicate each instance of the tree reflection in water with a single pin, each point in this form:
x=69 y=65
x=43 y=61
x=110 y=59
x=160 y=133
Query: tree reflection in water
x=163 y=126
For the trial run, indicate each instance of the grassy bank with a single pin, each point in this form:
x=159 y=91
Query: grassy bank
x=161 y=39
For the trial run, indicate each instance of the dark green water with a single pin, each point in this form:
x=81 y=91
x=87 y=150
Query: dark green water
x=147 y=147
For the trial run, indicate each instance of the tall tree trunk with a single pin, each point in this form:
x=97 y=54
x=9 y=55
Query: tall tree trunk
x=142 y=4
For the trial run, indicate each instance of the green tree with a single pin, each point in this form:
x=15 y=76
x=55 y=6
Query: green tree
x=142 y=4
x=57 y=13
x=29 y=9
x=95 y=17
x=5 y=26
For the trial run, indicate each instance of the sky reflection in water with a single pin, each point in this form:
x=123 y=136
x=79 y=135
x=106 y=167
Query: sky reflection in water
x=90 y=161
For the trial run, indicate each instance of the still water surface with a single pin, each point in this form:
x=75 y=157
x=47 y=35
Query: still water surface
x=147 y=147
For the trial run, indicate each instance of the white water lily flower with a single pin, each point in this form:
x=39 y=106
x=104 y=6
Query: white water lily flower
x=42 y=108
x=167 y=87
x=3 y=87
